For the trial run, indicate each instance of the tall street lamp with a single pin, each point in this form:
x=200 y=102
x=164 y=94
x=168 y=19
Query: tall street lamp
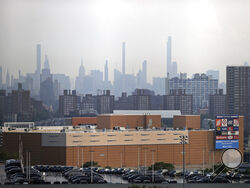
x=153 y=164
x=91 y=171
x=183 y=140
x=145 y=160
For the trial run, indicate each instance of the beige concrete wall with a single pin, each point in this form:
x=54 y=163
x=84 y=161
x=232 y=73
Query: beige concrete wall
x=124 y=138
x=111 y=138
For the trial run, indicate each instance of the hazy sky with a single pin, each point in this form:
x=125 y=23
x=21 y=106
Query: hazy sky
x=206 y=34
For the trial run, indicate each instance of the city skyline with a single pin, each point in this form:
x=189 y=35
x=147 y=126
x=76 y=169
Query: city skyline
x=205 y=34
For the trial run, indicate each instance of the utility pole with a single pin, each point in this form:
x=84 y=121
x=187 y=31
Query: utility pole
x=121 y=159
x=183 y=140
x=138 y=160
x=203 y=160
x=91 y=166
x=213 y=162
x=153 y=162
x=78 y=157
x=82 y=157
x=145 y=161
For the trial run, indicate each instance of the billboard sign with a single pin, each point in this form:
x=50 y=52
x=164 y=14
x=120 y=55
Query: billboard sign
x=227 y=132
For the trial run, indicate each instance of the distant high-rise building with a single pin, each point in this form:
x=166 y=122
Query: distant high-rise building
x=174 y=69
x=7 y=79
x=171 y=66
x=217 y=103
x=45 y=71
x=159 y=85
x=142 y=99
x=178 y=100
x=79 y=82
x=106 y=72
x=214 y=73
x=200 y=87
x=123 y=58
x=36 y=76
x=117 y=82
x=89 y=104
x=47 y=91
x=68 y=103
x=12 y=81
x=46 y=63
x=63 y=80
x=97 y=83
x=157 y=102
x=81 y=70
x=124 y=102
x=238 y=95
x=38 y=58
x=144 y=73
x=105 y=103
x=169 y=56
x=20 y=100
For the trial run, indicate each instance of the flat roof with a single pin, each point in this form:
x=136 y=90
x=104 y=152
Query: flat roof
x=163 y=113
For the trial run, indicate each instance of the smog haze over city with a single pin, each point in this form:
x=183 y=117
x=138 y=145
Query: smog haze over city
x=206 y=34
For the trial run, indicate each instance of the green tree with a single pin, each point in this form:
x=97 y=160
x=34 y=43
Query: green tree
x=5 y=155
x=88 y=164
x=162 y=165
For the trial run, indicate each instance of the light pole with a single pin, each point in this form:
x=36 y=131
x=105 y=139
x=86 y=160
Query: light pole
x=153 y=162
x=121 y=159
x=78 y=153
x=82 y=157
x=203 y=161
x=91 y=171
x=183 y=138
x=138 y=158
x=213 y=162
x=145 y=161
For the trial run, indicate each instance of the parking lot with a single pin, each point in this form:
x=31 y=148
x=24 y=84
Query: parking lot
x=12 y=173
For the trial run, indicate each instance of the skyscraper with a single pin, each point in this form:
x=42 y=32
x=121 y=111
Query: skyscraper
x=106 y=72
x=79 y=82
x=38 y=58
x=171 y=66
x=174 y=69
x=81 y=70
x=36 y=78
x=46 y=63
x=7 y=79
x=169 y=56
x=123 y=58
x=200 y=86
x=144 y=73
x=238 y=95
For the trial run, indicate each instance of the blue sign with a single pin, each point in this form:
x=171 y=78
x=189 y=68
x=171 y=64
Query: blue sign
x=225 y=144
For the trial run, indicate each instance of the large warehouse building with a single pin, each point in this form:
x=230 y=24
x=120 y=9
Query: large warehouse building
x=73 y=146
